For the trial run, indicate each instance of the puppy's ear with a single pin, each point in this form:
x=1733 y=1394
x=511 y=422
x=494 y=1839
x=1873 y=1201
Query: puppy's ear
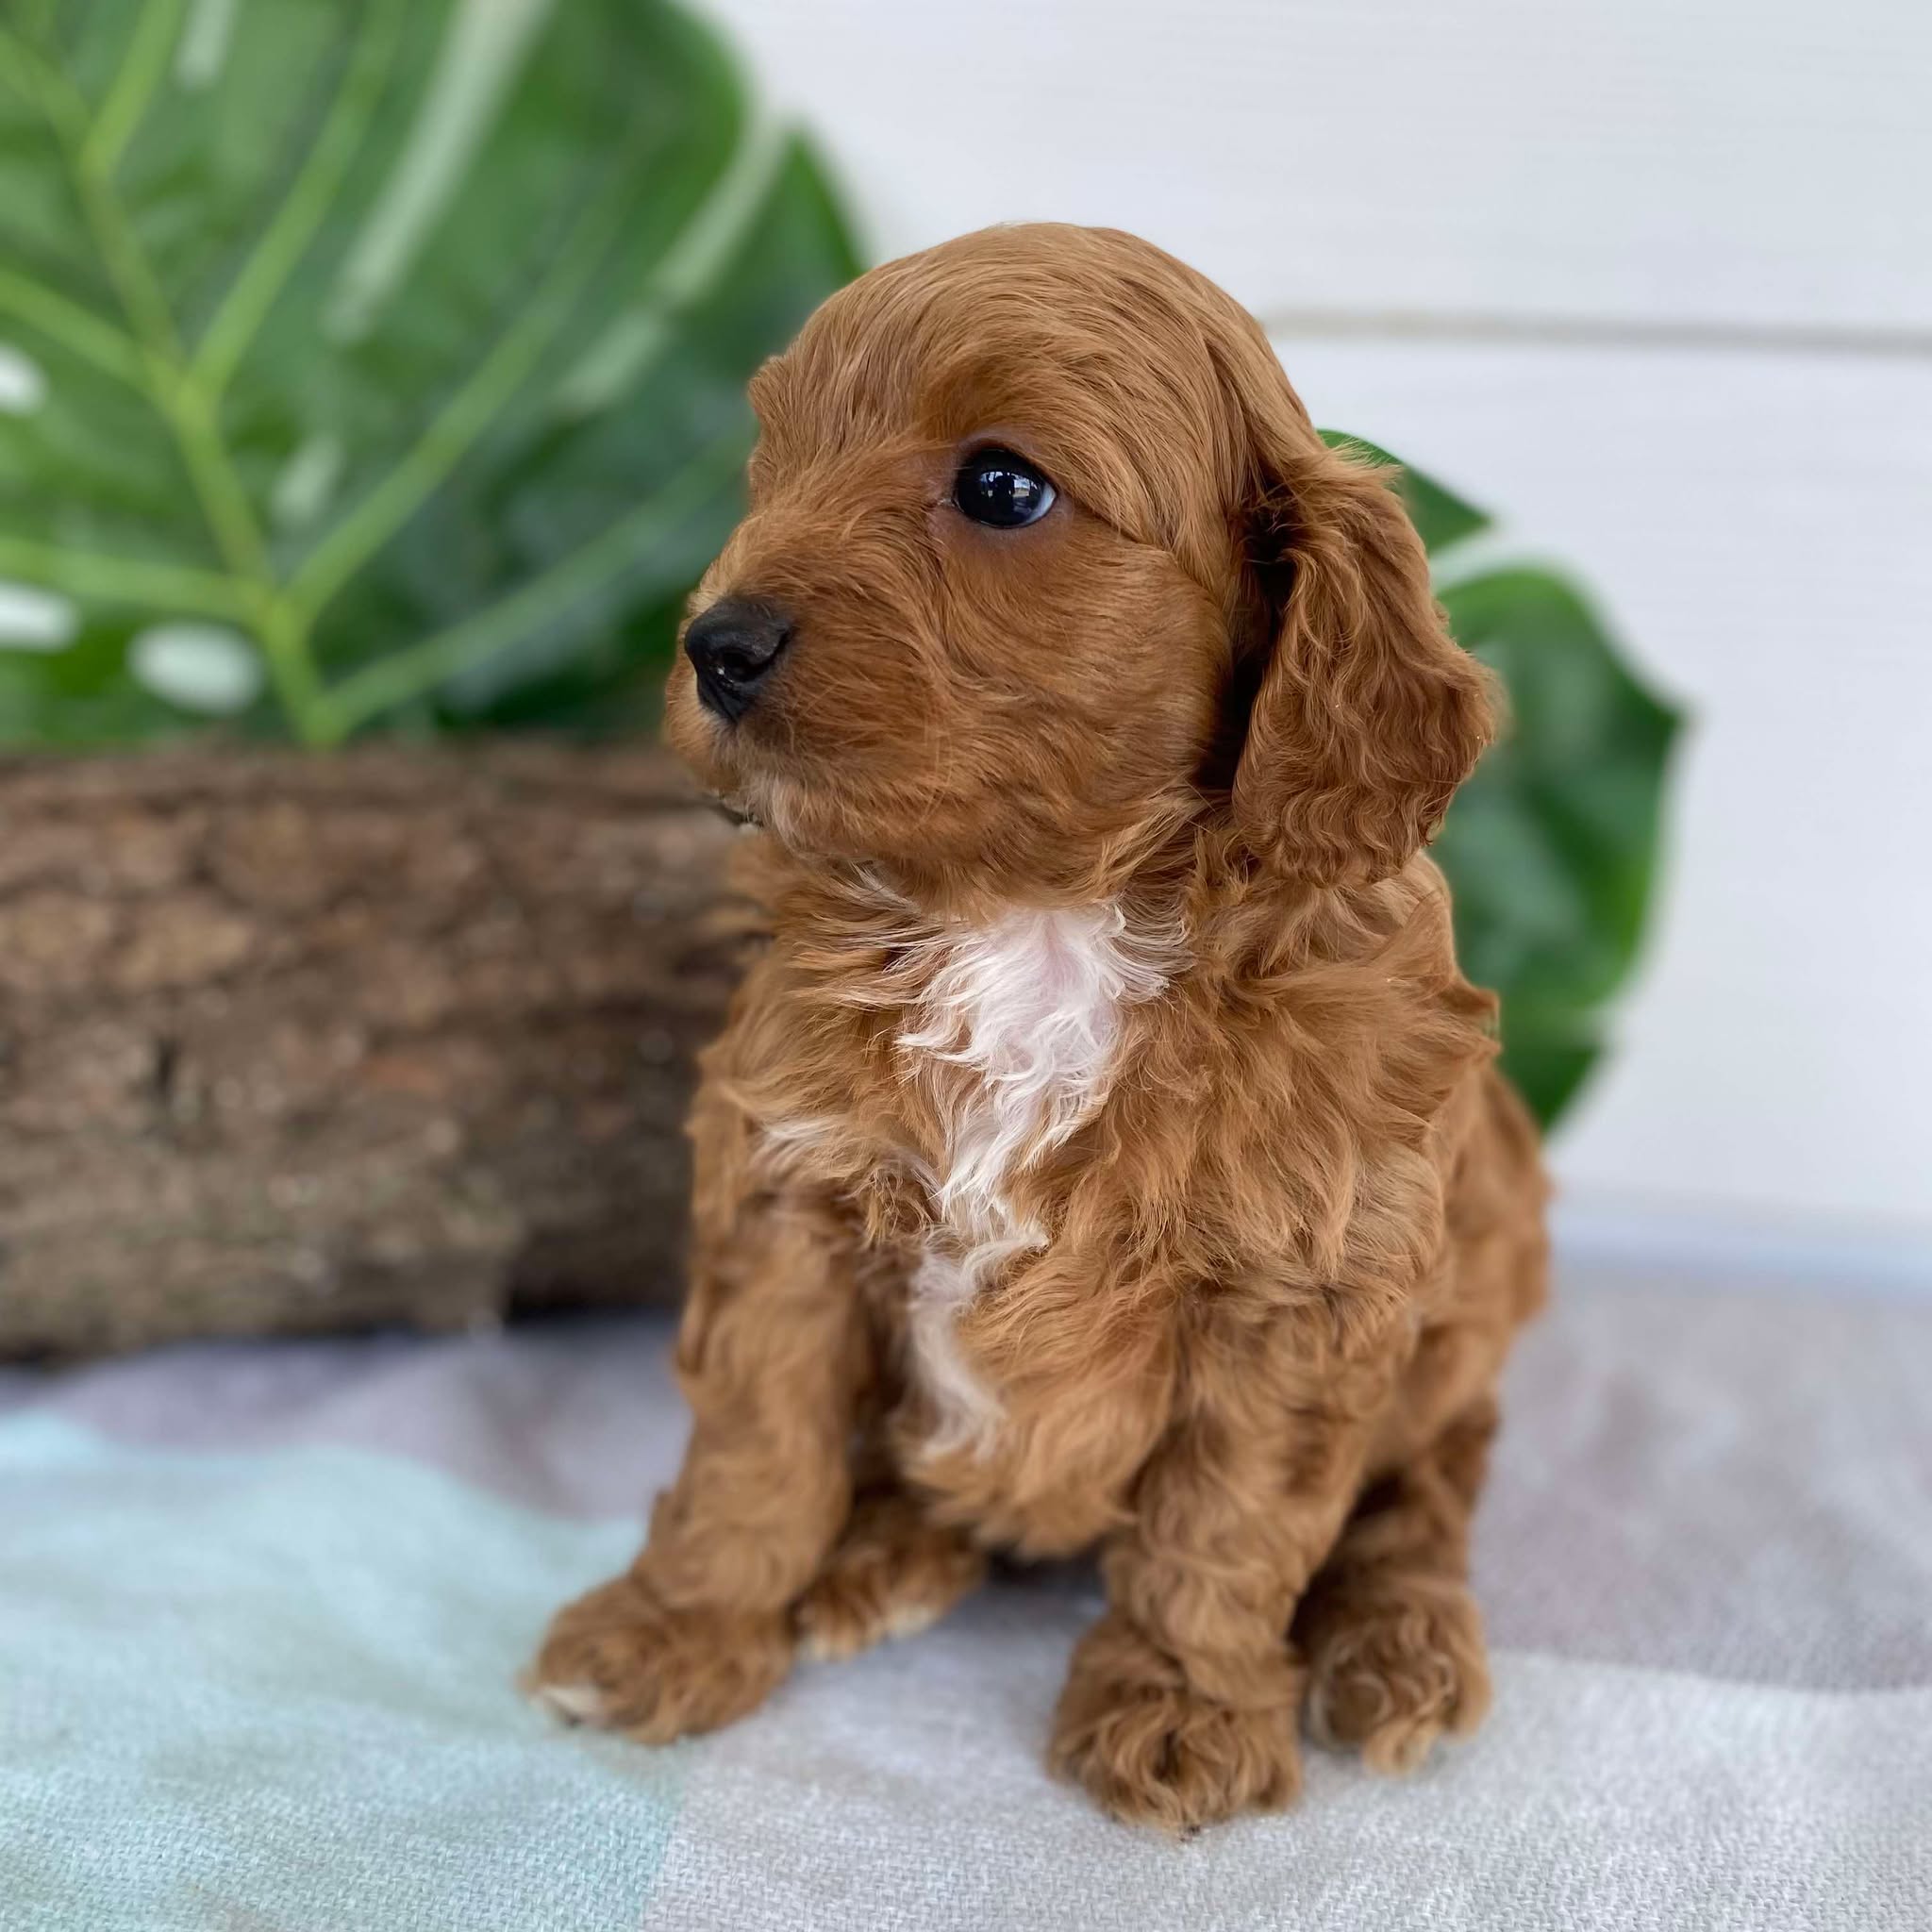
x=1366 y=715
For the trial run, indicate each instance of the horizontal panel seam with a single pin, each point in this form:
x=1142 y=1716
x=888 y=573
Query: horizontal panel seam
x=1876 y=343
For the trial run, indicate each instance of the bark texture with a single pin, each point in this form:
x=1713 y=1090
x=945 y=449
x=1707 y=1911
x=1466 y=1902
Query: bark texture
x=292 y=1043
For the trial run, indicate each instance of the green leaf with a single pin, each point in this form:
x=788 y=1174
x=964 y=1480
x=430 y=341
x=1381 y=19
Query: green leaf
x=1440 y=517
x=1549 y=1071
x=407 y=342
x=1551 y=846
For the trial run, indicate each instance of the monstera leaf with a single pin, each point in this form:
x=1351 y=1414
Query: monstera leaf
x=1551 y=846
x=373 y=364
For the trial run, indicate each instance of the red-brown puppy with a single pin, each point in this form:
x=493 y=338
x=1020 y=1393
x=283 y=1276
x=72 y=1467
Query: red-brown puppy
x=1107 y=1152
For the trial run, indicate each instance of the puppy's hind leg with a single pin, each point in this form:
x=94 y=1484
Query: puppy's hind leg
x=892 y=1573
x=1391 y=1633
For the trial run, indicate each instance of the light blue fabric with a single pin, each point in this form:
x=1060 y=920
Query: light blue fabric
x=273 y=1691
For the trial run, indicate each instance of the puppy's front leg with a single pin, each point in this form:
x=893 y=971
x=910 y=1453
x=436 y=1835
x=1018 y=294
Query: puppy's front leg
x=772 y=1355
x=1182 y=1702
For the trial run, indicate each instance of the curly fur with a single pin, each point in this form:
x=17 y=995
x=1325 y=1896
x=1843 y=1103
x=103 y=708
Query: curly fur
x=1106 y=1152
x=1031 y=1006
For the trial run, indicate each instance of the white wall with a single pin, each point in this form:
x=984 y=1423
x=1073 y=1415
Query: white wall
x=1653 y=280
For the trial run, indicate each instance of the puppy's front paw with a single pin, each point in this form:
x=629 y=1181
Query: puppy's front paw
x=622 y=1660
x=1395 y=1666
x=1152 y=1750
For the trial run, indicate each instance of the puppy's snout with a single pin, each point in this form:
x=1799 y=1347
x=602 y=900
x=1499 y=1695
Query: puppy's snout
x=732 y=648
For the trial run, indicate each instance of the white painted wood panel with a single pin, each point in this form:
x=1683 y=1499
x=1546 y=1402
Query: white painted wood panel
x=1766 y=162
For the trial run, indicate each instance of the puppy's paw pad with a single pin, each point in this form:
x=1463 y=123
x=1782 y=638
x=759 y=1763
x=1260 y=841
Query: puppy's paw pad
x=620 y=1659
x=1402 y=1669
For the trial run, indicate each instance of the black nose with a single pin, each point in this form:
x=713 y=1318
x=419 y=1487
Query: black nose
x=733 y=647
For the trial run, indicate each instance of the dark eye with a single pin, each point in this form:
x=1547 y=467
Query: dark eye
x=1002 y=491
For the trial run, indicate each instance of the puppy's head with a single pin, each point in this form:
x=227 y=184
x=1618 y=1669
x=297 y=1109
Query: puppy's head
x=1043 y=561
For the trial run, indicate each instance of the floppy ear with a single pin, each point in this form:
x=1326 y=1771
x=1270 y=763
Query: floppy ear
x=1367 y=715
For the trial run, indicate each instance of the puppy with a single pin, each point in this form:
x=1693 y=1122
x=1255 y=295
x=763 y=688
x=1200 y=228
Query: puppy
x=1107 y=1152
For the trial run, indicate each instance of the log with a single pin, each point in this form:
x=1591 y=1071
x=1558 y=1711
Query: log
x=291 y=1043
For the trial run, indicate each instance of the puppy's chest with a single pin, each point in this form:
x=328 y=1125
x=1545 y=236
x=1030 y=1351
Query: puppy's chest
x=1010 y=1049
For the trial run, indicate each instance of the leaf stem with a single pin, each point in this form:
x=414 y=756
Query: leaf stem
x=470 y=411
x=124 y=579
x=155 y=30
x=413 y=672
x=186 y=408
x=253 y=292
x=74 y=328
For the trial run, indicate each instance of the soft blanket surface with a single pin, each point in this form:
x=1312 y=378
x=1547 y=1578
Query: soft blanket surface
x=260 y=1607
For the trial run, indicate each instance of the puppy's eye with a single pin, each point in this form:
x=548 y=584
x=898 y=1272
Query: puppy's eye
x=1002 y=491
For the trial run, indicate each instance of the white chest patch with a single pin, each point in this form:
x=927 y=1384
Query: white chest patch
x=1028 y=1011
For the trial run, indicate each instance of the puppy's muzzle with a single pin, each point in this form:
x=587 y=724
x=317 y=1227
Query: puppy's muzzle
x=732 y=648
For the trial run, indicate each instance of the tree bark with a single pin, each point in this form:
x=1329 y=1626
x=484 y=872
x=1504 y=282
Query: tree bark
x=289 y=1043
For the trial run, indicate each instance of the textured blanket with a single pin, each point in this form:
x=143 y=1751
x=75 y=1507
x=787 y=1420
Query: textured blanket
x=260 y=1607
